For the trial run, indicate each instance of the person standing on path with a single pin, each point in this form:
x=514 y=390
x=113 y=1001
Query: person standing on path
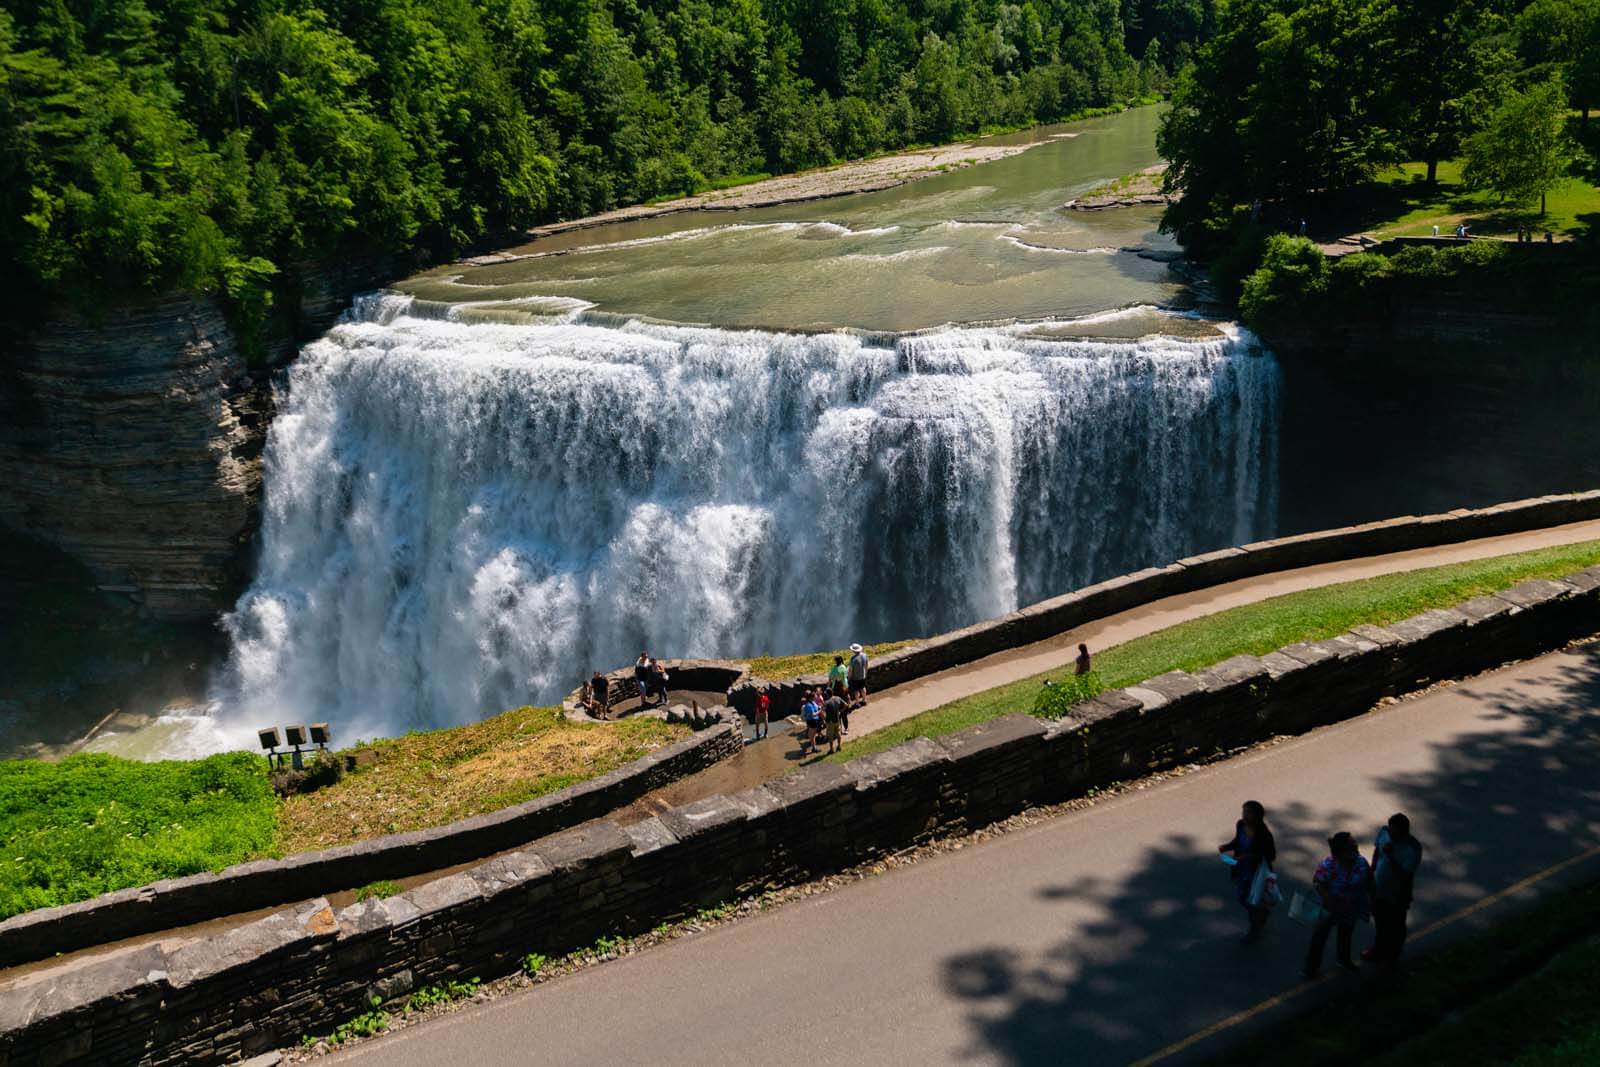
x=641 y=676
x=811 y=716
x=1343 y=882
x=837 y=675
x=601 y=689
x=763 y=711
x=1396 y=855
x=1252 y=845
x=833 y=714
x=857 y=674
x=1083 y=662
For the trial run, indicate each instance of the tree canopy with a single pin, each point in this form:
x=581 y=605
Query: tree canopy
x=1292 y=100
x=208 y=143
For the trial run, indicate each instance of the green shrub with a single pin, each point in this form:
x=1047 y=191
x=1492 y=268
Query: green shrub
x=92 y=823
x=1055 y=698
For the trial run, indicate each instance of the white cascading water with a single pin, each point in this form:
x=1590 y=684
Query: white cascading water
x=463 y=516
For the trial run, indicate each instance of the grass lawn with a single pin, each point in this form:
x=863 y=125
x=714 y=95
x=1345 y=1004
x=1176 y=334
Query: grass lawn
x=778 y=667
x=1522 y=993
x=1401 y=203
x=91 y=824
x=1253 y=629
x=429 y=779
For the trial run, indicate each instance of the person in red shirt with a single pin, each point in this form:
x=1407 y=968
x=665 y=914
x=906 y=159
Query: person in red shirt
x=763 y=710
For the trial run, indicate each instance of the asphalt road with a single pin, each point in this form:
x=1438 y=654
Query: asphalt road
x=1100 y=937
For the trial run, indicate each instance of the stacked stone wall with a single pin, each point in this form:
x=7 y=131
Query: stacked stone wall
x=312 y=967
x=1059 y=615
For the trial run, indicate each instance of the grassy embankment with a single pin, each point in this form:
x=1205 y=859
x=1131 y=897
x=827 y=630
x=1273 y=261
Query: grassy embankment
x=1520 y=994
x=92 y=823
x=778 y=667
x=1253 y=629
x=1401 y=203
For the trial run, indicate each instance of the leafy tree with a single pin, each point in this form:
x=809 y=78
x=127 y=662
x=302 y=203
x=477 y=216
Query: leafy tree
x=1287 y=100
x=1523 y=152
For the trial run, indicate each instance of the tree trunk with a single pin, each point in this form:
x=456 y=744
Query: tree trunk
x=1433 y=170
x=1541 y=205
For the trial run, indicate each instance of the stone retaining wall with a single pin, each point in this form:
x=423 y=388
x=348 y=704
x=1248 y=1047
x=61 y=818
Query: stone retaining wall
x=307 y=969
x=1061 y=614
x=264 y=883
x=683 y=675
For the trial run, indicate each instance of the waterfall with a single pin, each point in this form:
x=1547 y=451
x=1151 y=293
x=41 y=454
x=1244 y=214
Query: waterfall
x=465 y=513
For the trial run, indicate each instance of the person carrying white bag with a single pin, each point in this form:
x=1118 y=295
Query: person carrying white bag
x=1251 y=853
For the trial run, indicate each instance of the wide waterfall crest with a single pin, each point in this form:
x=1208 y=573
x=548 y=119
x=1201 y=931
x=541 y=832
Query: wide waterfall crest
x=465 y=514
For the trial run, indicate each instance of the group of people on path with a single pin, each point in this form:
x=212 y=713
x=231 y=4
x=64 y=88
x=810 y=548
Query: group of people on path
x=1348 y=887
x=825 y=711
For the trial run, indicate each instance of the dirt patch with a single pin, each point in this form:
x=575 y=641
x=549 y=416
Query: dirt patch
x=430 y=779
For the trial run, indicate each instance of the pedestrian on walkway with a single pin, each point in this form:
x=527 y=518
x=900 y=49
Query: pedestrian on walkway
x=641 y=676
x=1083 y=661
x=837 y=675
x=1396 y=855
x=1252 y=845
x=811 y=717
x=658 y=679
x=763 y=711
x=833 y=714
x=600 y=690
x=857 y=675
x=1343 y=882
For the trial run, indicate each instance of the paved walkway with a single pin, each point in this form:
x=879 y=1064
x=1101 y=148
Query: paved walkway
x=757 y=763
x=1101 y=937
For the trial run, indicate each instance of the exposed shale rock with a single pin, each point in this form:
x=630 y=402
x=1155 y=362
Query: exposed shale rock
x=131 y=436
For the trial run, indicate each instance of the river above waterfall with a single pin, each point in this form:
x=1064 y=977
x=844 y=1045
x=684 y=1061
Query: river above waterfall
x=988 y=243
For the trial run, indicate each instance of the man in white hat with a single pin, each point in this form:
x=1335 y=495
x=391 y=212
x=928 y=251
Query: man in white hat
x=858 y=675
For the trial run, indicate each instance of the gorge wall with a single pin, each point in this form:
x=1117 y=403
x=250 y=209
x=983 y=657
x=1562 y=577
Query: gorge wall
x=130 y=436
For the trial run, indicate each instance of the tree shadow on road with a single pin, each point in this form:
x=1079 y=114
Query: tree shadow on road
x=1156 y=957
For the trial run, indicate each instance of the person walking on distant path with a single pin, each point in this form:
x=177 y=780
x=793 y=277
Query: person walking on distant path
x=857 y=674
x=763 y=710
x=1083 y=661
x=837 y=675
x=1252 y=845
x=1343 y=882
x=601 y=690
x=1396 y=855
x=1302 y=227
x=833 y=716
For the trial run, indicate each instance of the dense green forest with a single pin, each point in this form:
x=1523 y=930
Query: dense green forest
x=1291 y=105
x=209 y=143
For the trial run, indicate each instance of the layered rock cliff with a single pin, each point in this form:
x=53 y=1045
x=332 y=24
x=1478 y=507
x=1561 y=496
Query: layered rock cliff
x=130 y=437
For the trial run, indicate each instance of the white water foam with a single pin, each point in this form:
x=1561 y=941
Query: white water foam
x=463 y=517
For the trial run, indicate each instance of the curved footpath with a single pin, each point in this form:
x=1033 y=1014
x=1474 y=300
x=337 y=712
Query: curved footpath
x=1106 y=936
x=759 y=762
x=763 y=761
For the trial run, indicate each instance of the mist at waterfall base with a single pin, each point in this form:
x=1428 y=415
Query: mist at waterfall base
x=462 y=517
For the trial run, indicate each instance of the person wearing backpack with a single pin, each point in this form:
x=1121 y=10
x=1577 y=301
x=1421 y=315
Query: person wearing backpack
x=1252 y=845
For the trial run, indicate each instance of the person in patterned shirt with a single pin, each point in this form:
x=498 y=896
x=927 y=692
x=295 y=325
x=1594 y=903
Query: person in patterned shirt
x=1344 y=883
